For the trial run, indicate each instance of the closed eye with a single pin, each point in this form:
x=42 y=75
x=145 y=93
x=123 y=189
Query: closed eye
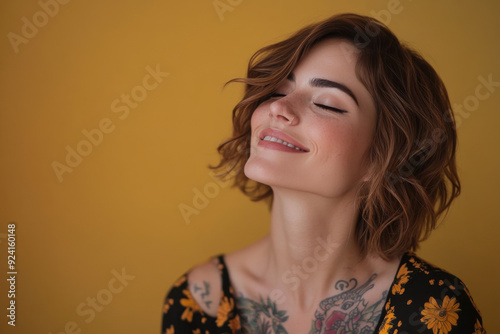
x=277 y=95
x=322 y=106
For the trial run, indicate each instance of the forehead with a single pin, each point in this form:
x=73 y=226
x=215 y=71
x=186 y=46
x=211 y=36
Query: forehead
x=333 y=57
x=335 y=60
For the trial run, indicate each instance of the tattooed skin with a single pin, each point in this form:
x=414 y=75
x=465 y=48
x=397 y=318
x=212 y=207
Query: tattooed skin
x=261 y=317
x=344 y=313
x=203 y=292
x=347 y=312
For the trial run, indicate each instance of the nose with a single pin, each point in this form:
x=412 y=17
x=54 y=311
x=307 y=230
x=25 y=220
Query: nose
x=283 y=110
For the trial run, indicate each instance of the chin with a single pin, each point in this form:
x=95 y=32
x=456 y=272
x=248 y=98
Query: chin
x=256 y=171
x=265 y=172
x=277 y=179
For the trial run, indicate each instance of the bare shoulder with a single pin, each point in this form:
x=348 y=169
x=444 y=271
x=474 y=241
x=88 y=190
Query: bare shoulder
x=205 y=281
x=205 y=286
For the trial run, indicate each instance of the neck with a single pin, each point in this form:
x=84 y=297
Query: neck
x=312 y=244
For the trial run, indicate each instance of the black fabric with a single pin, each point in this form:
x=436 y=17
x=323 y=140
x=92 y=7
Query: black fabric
x=422 y=299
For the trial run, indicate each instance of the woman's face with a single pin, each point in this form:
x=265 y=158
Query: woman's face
x=325 y=116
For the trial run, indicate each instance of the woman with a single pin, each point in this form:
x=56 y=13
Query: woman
x=351 y=137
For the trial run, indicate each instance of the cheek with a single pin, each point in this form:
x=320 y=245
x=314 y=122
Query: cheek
x=259 y=114
x=333 y=140
x=256 y=122
x=343 y=147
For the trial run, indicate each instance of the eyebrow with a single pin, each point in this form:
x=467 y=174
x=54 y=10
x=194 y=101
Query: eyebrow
x=324 y=83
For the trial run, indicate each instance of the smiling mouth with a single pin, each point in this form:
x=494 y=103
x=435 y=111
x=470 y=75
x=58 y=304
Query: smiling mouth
x=279 y=141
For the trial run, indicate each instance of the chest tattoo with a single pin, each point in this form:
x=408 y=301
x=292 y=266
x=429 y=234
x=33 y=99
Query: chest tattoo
x=345 y=312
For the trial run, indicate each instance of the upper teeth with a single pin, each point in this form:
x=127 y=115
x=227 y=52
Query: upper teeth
x=274 y=139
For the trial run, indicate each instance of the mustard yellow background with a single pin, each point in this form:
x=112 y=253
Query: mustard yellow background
x=119 y=209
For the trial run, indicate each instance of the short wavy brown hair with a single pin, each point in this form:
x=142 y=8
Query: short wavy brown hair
x=413 y=149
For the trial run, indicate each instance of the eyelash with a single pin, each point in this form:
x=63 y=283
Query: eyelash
x=322 y=106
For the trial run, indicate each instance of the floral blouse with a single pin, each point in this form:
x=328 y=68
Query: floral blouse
x=422 y=299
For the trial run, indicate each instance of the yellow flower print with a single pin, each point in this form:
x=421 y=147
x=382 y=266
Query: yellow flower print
x=234 y=324
x=419 y=265
x=166 y=307
x=191 y=306
x=440 y=317
x=170 y=330
x=478 y=328
x=402 y=278
x=415 y=263
x=386 y=323
x=180 y=281
x=226 y=306
x=196 y=331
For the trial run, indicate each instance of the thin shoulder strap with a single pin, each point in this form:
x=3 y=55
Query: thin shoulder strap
x=226 y=282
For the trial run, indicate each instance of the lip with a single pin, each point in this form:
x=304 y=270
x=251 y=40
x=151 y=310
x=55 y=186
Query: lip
x=284 y=137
